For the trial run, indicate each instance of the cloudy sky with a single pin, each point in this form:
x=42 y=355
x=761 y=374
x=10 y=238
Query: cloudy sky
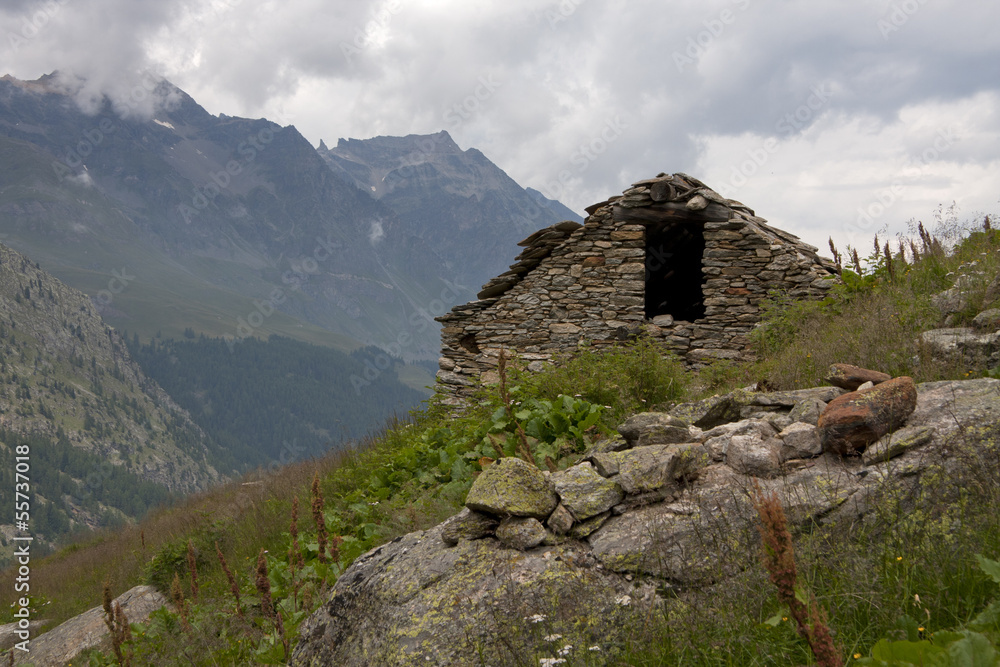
x=830 y=117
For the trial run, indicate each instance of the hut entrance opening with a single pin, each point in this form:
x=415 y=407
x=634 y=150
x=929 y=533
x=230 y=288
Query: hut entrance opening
x=673 y=270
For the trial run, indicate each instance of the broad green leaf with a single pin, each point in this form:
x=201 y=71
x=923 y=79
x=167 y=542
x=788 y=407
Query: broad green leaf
x=990 y=567
x=973 y=650
x=905 y=652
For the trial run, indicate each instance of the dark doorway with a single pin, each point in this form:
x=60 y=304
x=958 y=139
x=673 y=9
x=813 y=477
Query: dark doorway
x=673 y=270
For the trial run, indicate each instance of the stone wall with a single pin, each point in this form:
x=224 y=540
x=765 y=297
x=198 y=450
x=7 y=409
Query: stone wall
x=588 y=284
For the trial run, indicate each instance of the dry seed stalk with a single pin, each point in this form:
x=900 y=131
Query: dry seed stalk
x=235 y=589
x=263 y=585
x=177 y=595
x=317 y=512
x=779 y=560
x=193 y=569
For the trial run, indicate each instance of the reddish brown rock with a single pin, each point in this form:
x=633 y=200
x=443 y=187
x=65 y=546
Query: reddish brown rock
x=855 y=420
x=851 y=377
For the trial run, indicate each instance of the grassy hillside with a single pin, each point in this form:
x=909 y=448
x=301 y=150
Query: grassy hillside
x=266 y=403
x=910 y=572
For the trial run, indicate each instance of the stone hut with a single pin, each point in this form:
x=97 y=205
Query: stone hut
x=670 y=257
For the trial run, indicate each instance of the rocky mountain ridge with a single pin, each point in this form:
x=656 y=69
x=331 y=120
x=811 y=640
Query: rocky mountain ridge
x=238 y=227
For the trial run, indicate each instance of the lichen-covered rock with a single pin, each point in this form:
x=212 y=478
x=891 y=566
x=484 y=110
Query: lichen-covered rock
x=607 y=464
x=855 y=420
x=650 y=468
x=717 y=439
x=799 y=441
x=807 y=411
x=512 y=487
x=415 y=601
x=851 y=377
x=893 y=444
x=521 y=532
x=585 y=528
x=585 y=493
x=560 y=521
x=751 y=455
x=658 y=434
x=468 y=525
x=636 y=425
x=615 y=443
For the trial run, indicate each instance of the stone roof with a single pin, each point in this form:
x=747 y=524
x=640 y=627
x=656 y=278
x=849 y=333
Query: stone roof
x=648 y=201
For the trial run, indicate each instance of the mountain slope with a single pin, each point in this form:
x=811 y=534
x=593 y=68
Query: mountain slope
x=69 y=387
x=232 y=226
x=238 y=227
x=458 y=202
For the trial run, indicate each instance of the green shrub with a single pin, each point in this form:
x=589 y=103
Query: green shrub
x=625 y=379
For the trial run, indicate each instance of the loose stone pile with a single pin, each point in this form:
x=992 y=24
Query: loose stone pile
x=658 y=455
x=576 y=284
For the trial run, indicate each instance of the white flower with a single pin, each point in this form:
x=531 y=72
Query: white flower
x=546 y=662
x=552 y=638
x=565 y=650
x=595 y=647
x=537 y=618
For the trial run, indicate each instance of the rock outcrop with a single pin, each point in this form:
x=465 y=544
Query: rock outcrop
x=59 y=646
x=457 y=596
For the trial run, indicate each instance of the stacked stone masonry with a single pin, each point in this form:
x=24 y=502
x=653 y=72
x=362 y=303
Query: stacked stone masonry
x=588 y=284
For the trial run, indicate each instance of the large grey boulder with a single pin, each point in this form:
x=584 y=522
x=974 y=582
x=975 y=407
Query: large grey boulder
x=416 y=601
x=512 y=487
x=62 y=644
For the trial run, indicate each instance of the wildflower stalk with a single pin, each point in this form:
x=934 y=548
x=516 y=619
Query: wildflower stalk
x=193 y=569
x=779 y=560
x=295 y=560
x=263 y=584
x=233 y=587
x=118 y=627
x=317 y=512
x=177 y=595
